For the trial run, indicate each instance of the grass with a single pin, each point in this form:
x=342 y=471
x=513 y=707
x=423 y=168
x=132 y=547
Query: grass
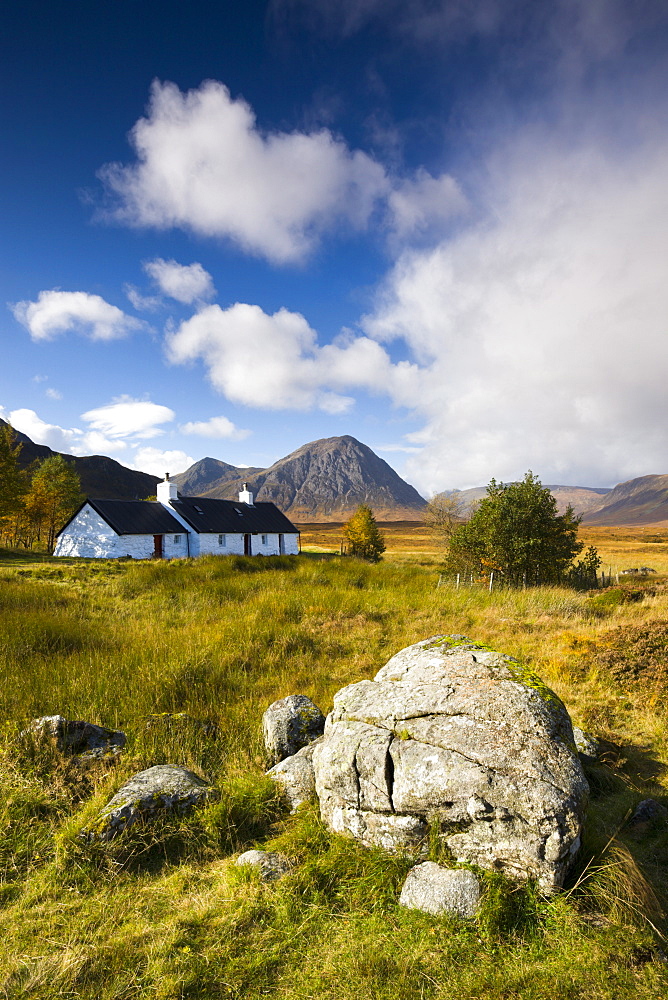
x=163 y=912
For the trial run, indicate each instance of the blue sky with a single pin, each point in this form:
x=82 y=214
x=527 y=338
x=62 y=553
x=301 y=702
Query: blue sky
x=437 y=225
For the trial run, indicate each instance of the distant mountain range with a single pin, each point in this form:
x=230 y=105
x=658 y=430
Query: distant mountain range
x=100 y=476
x=581 y=498
x=324 y=480
x=638 y=501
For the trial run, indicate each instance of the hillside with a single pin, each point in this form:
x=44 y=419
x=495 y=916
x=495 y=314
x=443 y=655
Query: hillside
x=325 y=480
x=637 y=501
x=101 y=477
x=581 y=498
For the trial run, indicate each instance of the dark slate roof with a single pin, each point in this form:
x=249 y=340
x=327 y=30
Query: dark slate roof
x=207 y=515
x=134 y=517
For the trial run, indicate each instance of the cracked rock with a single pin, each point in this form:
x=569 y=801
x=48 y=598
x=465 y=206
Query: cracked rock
x=458 y=740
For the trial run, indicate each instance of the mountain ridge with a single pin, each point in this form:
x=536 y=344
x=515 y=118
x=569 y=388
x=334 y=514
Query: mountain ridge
x=323 y=480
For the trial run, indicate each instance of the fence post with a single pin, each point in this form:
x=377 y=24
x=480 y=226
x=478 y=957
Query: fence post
x=440 y=578
x=491 y=581
x=458 y=581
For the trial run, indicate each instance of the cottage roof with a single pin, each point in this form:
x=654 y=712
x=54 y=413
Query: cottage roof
x=133 y=517
x=207 y=515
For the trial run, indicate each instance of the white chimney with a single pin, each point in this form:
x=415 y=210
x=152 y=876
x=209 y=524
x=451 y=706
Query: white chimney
x=167 y=491
x=245 y=496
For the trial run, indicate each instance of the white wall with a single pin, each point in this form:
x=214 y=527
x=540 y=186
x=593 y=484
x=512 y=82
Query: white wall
x=234 y=545
x=89 y=536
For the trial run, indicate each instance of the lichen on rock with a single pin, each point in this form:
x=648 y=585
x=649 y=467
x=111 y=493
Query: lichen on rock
x=455 y=738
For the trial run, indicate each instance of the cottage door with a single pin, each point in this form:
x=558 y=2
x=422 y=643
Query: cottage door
x=157 y=546
x=247 y=545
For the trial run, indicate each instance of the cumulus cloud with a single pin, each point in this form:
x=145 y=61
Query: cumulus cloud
x=186 y=283
x=215 y=427
x=156 y=462
x=540 y=329
x=128 y=417
x=57 y=312
x=204 y=165
x=423 y=203
x=41 y=432
x=275 y=361
x=53 y=394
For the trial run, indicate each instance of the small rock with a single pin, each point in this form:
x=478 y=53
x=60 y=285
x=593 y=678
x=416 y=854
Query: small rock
x=586 y=743
x=161 y=789
x=647 y=813
x=270 y=865
x=436 y=890
x=77 y=737
x=290 y=724
x=296 y=775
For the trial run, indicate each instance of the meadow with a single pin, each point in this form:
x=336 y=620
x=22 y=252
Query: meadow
x=163 y=913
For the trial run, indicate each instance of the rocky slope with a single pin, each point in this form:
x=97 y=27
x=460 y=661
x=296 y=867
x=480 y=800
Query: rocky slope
x=101 y=477
x=637 y=501
x=325 y=480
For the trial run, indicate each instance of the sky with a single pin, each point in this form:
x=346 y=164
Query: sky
x=440 y=226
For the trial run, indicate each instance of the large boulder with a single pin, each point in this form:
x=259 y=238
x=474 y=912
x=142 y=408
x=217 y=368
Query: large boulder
x=155 y=792
x=77 y=737
x=455 y=741
x=290 y=724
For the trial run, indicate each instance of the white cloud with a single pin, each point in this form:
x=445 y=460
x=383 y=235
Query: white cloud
x=59 y=312
x=215 y=427
x=424 y=203
x=203 y=164
x=53 y=394
x=128 y=417
x=157 y=462
x=142 y=303
x=540 y=329
x=41 y=432
x=275 y=362
x=184 y=282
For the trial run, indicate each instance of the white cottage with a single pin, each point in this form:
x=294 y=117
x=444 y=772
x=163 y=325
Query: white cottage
x=175 y=527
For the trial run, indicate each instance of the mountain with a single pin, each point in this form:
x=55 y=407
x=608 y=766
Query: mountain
x=637 y=501
x=101 y=477
x=207 y=474
x=324 y=480
x=581 y=498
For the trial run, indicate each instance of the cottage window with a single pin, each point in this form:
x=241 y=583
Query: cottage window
x=177 y=539
x=264 y=539
x=221 y=539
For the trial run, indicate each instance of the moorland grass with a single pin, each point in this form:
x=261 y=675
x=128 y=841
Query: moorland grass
x=163 y=913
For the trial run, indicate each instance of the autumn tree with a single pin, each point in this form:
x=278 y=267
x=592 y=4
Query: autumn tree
x=12 y=480
x=363 y=536
x=517 y=532
x=54 y=495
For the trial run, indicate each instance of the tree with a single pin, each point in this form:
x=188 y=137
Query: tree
x=363 y=536
x=12 y=479
x=443 y=514
x=517 y=532
x=54 y=495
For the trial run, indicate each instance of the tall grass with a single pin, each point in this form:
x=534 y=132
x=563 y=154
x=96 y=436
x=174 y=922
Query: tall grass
x=185 y=657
